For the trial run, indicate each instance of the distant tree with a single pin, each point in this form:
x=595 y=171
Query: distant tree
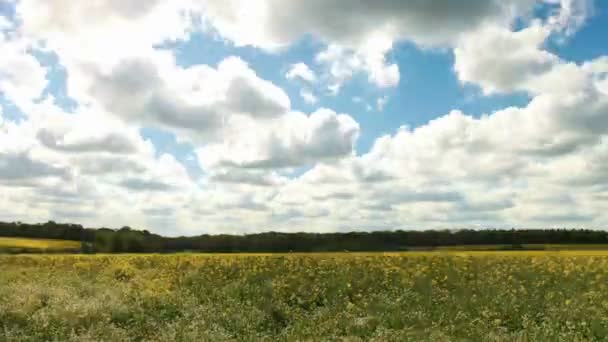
x=118 y=244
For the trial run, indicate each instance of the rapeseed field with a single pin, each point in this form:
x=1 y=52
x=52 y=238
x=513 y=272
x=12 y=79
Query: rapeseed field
x=425 y=296
x=12 y=244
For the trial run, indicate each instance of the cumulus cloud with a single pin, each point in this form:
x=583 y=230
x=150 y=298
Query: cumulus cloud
x=414 y=20
x=55 y=162
x=302 y=71
x=22 y=77
x=359 y=36
x=570 y=15
x=86 y=134
x=381 y=102
x=248 y=177
x=308 y=96
x=294 y=140
x=194 y=101
x=22 y=166
x=500 y=60
x=342 y=64
x=88 y=30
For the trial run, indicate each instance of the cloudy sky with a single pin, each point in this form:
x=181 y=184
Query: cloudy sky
x=207 y=116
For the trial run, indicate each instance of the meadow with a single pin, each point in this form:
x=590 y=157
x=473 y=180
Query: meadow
x=415 y=296
x=25 y=245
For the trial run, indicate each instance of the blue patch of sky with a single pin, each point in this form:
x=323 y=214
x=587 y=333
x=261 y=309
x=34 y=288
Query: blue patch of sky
x=427 y=90
x=588 y=42
x=56 y=76
x=9 y=110
x=591 y=41
x=7 y=9
x=166 y=142
x=203 y=48
x=56 y=86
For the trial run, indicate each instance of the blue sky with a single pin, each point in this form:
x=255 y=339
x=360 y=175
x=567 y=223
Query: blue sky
x=304 y=116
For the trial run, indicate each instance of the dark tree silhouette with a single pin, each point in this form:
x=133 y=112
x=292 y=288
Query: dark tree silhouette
x=126 y=239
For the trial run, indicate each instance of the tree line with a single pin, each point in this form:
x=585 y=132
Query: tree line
x=128 y=240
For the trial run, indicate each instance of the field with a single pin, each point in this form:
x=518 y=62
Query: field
x=417 y=296
x=15 y=245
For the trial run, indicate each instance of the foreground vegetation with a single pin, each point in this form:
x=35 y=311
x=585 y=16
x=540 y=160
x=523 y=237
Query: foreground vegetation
x=23 y=245
x=485 y=296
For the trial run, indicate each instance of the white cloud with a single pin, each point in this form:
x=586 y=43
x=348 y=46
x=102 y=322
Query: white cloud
x=22 y=77
x=5 y=23
x=301 y=71
x=87 y=134
x=255 y=24
x=193 y=102
x=308 y=96
x=293 y=140
x=500 y=60
x=381 y=102
x=24 y=167
x=248 y=176
x=88 y=30
x=359 y=36
x=342 y=64
x=60 y=164
x=570 y=15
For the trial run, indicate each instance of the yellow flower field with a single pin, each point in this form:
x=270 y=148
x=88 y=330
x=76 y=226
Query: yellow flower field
x=434 y=296
x=10 y=243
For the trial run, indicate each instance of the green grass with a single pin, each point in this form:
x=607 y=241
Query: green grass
x=413 y=296
x=25 y=245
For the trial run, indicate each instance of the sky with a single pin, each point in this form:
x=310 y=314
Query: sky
x=235 y=116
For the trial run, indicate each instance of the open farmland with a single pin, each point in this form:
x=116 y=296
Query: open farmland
x=486 y=296
x=19 y=245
